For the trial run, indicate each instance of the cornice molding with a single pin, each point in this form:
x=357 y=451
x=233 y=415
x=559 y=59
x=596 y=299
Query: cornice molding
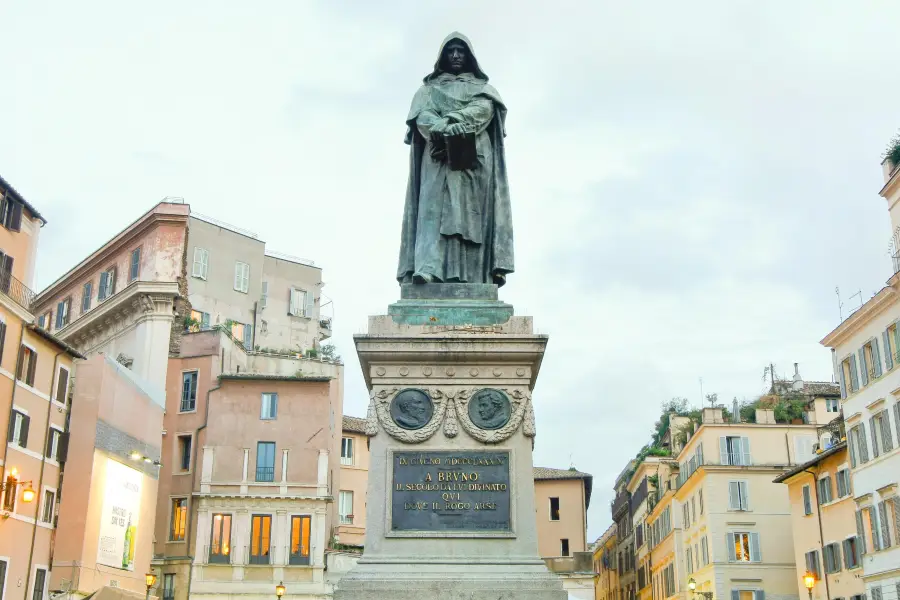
x=859 y=319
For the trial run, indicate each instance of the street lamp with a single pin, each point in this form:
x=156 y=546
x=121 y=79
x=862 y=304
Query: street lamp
x=279 y=590
x=12 y=483
x=809 y=580
x=149 y=579
x=692 y=585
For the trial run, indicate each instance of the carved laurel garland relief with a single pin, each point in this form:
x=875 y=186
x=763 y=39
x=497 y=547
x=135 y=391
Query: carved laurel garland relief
x=451 y=407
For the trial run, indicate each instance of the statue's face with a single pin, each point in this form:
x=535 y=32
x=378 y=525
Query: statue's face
x=486 y=408
x=456 y=57
x=416 y=408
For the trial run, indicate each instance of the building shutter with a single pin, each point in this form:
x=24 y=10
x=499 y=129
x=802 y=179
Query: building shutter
x=729 y=541
x=836 y=557
x=854 y=374
x=32 y=366
x=863 y=444
x=62 y=450
x=847 y=552
x=896 y=411
x=896 y=501
x=885 y=525
x=872 y=427
x=735 y=595
x=16 y=224
x=759 y=595
x=204 y=320
x=886 y=440
x=843 y=381
x=860 y=532
x=101 y=289
x=863 y=367
x=876 y=592
x=12 y=427
x=743 y=495
x=876 y=358
x=310 y=305
x=888 y=357
x=755 y=554
x=23 y=436
x=723 y=451
x=237 y=275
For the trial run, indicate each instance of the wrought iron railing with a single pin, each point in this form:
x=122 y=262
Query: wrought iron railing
x=20 y=293
x=265 y=473
x=834 y=430
x=620 y=504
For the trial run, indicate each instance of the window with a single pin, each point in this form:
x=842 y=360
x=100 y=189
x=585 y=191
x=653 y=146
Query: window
x=852 y=554
x=734 y=450
x=200 y=268
x=184 y=453
x=346 y=451
x=743 y=546
x=704 y=551
x=300 y=529
x=843 y=482
x=168 y=591
x=134 y=268
x=62 y=313
x=53 y=444
x=694 y=509
x=747 y=595
x=345 y=507
x=804 y=448
x=880 y=428
x=554 y=509
x=639 y=536
x=832 y=405
x=700 y=497
x=44 y=321
x=220 y=539
x=269 y=406
x=812 y=563
x=265 y=461
x=824 y=489
x=241 y=277
x=62 y=385
x=107 y=285
x=563 y=547
x=260 y=539
x=891 y=347
x=11 y=213
x=27 y=365
x=2 y=345
x=264 y=296
x=18 y=429
x=40 y=580
x=48 y=506
x=189 y=391
x=859 y=448
x=737 y=496
x=202 y=319
x=2 y=577
x=179 y=519
x=689 y=561
x=870 y=361
x=849 y=378
x=685 y=515
x=297 y=305
x=807 y=501
x=831 y=554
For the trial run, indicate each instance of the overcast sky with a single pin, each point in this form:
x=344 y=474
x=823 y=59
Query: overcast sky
x=690 y=181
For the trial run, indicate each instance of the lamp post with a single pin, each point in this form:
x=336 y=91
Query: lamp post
x=809 y=580
x=12 y=482
x=149 y=579
x=279 y=590
x=692 y=586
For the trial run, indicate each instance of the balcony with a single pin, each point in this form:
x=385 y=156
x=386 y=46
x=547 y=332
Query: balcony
x=20 y=293
x=620 y=504
x=265 y=474
x=325 y=328
x=831 y=433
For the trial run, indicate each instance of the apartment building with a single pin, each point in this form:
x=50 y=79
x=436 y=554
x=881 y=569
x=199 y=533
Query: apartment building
x=622 y=517
x=250 y=471
x=353 y=481
x=606 y=581
x=823 y=520
x=866 y=350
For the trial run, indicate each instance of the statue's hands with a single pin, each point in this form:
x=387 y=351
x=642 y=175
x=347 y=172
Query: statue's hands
x=455 y=129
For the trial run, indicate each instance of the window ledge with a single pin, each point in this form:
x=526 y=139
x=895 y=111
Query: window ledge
x=874 y=403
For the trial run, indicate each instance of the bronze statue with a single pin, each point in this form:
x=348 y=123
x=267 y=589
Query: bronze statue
x=457 y=224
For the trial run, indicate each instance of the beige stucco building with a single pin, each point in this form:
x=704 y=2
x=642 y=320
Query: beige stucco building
x=251 y=468
x=606 y=582
x=354 y=478
x=866 y=351
x=823 y=522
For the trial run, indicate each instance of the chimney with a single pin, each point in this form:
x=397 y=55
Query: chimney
x=797 y=386
x=735 y=413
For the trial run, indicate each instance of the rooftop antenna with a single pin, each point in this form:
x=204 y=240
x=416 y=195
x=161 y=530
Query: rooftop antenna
x=859 y=293
x=701 y=392
x=837 y=291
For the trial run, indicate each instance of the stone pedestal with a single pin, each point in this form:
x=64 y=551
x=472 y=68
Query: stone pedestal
x=450 y=504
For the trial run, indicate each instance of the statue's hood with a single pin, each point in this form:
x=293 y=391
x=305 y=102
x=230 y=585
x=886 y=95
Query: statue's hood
x=437 y=64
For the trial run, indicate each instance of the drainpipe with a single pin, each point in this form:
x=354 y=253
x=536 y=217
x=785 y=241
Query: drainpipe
x=253 y=332
x=821 y=534
x=37 y=506
x=196 y=453
x=12 y=399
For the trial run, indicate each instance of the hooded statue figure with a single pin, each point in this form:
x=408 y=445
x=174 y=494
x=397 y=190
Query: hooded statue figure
x=457 y=225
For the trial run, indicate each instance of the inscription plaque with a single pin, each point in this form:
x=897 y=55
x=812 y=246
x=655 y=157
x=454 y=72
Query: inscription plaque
x=451 y=491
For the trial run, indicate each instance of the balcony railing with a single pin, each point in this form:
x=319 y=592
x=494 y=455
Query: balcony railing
x=346 y=519
x=265 y=473
x=620 y=504
x=834 y=430
x=20 y=293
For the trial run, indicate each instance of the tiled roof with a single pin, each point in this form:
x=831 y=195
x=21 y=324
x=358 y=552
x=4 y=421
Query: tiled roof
x=548 y=474
x=10 y=189
x=268 y=377
x=810 y=388
x=353 y=424
x=819 y=457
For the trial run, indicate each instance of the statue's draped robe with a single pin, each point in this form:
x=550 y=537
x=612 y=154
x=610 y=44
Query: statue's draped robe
x=457 y=225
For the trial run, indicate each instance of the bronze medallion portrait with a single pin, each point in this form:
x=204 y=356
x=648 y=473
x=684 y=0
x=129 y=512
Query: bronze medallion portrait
x=489 y=409
x=412 y=409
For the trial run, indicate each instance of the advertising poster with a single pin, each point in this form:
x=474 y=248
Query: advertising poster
x=119 y=518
